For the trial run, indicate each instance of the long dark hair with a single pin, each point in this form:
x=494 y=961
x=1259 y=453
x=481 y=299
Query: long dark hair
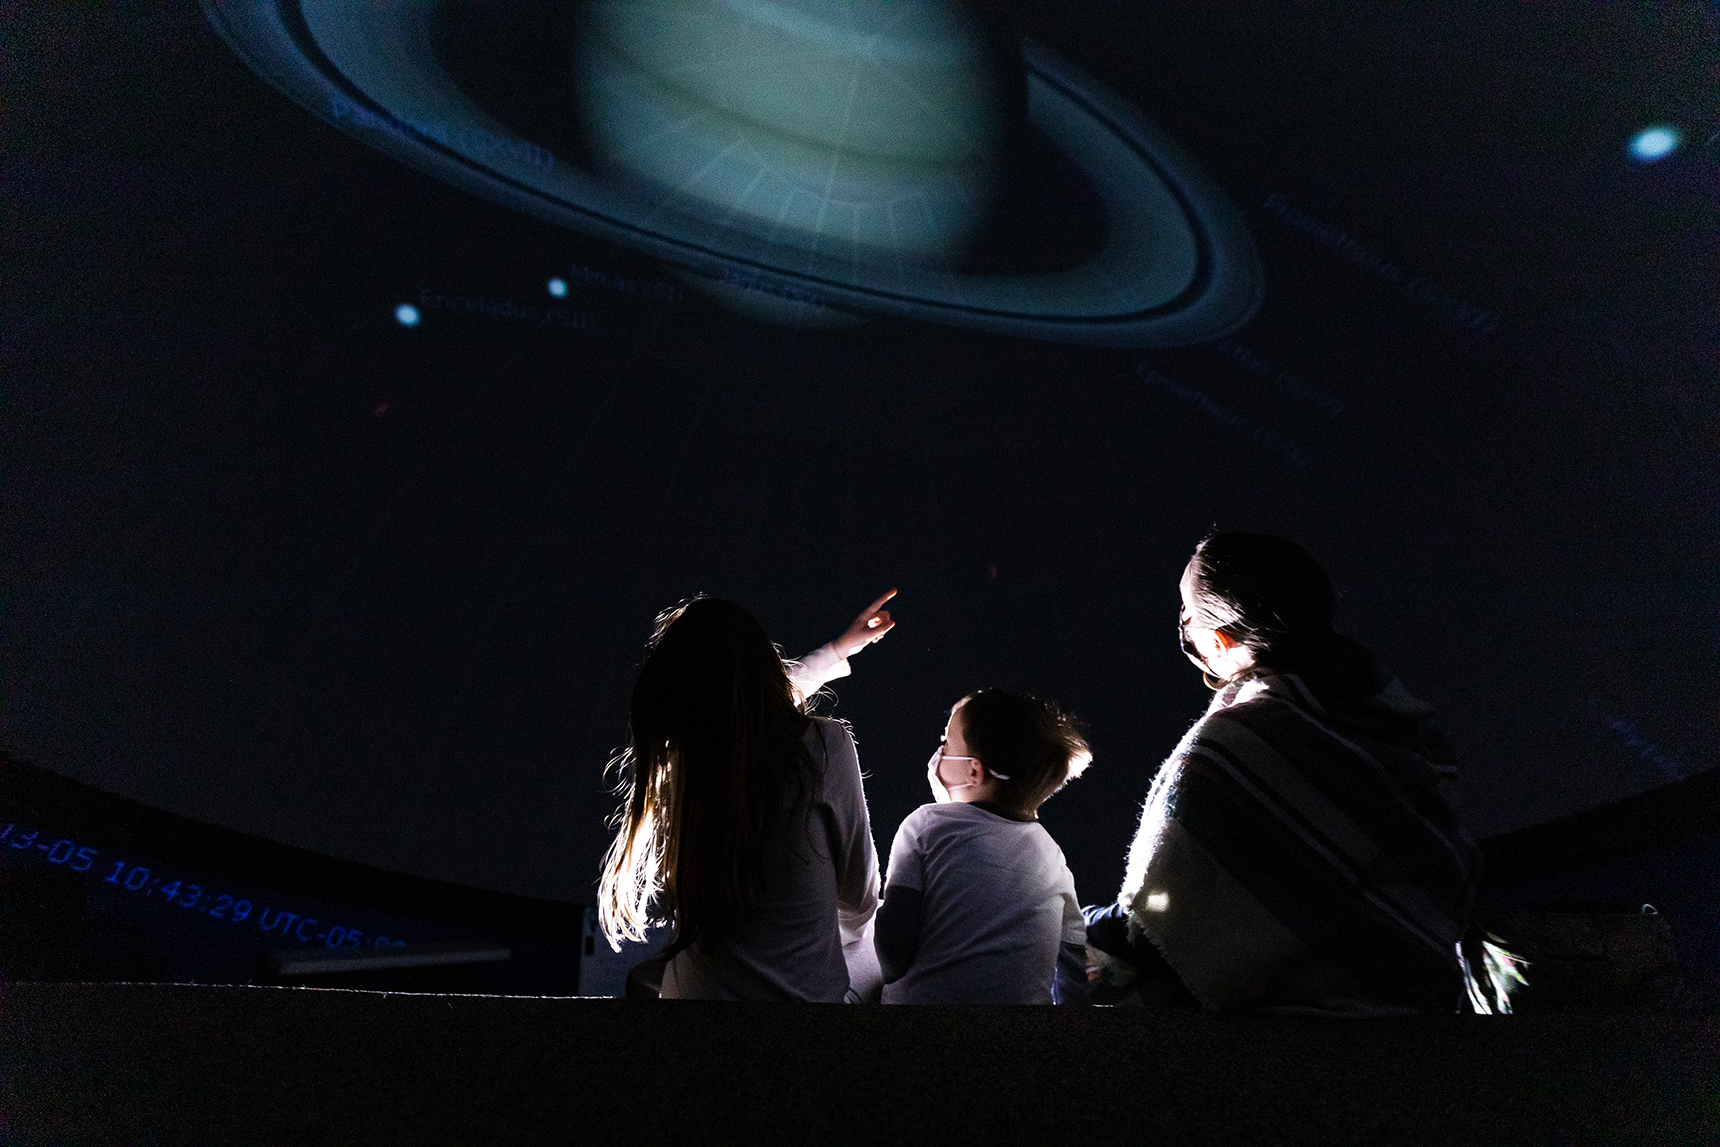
x=1269 y=595
x=715 y=746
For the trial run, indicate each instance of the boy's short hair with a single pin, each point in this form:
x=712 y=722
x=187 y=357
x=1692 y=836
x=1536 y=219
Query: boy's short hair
x=1032 y=743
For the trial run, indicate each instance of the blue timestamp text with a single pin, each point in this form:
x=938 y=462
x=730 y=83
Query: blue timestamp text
x=181 y=893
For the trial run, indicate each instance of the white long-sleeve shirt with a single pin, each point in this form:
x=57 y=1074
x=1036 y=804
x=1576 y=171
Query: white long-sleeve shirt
x=811 y=938
x=817 y=669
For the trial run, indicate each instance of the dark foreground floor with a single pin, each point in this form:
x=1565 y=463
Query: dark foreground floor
x=148 y=1064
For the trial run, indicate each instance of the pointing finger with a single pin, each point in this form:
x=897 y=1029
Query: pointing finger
x=873 y=608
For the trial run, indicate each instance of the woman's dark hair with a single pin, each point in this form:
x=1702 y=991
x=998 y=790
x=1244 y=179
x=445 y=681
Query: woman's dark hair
x=1033 y=745
x=715 y=746
x=1269 y=595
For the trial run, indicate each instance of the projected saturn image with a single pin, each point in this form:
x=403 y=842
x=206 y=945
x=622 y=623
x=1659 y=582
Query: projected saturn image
x=817 y=162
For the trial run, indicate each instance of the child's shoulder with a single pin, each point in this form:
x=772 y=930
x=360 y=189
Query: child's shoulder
x=959 y=817
x=924 y=815
x=928 y=819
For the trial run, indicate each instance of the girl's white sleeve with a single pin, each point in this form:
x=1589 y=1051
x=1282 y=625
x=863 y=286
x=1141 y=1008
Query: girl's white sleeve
x=817 y=669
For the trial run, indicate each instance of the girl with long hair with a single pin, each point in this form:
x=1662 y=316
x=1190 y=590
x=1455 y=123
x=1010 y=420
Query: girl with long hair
x=742 y=816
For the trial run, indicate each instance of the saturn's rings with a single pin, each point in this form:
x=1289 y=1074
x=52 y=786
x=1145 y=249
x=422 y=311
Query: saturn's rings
x=1178 y=265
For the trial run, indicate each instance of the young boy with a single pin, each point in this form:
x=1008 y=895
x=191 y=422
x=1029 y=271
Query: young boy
x=979 y=906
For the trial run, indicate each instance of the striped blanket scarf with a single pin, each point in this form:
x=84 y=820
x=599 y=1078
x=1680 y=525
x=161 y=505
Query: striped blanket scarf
x=1301 y=860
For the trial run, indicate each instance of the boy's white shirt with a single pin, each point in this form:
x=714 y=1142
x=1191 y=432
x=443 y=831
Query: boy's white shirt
x=997 y=902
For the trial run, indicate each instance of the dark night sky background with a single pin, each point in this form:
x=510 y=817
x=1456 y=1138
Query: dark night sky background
x=272 y=560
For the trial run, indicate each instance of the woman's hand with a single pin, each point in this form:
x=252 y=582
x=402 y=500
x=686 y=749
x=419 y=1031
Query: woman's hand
x=872 y=624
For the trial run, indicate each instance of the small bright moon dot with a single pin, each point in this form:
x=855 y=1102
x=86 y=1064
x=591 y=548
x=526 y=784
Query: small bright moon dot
x=557 y=288
x=406 y=314
x=1653 y=143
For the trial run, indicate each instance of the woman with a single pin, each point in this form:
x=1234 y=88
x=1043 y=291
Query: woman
x=1300 y=851
x=744 y=814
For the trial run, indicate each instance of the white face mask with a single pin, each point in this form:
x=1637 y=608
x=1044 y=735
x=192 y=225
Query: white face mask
x=940 y=791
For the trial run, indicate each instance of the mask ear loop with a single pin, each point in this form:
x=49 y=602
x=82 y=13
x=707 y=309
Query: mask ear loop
x=970 y=784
